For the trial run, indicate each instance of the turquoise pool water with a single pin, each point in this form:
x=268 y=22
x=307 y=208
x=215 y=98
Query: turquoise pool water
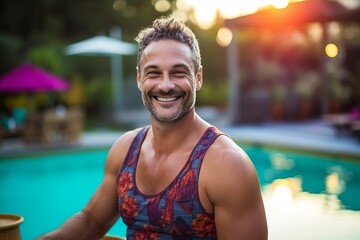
x=306 y=196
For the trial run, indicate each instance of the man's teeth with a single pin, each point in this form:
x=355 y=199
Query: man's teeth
x=166 y=99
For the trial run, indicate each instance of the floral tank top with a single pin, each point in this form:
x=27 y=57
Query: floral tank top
x=174 y=213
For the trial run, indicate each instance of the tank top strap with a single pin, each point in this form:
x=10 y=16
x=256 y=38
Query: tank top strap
x=135 y=147
x=198 y=154
x=208 y=138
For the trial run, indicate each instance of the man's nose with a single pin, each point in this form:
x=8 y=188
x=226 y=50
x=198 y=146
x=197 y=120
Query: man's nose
x=166 y=83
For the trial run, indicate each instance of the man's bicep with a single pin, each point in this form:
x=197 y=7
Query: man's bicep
x=238 y=205
x=102 y=206
x=247 y=224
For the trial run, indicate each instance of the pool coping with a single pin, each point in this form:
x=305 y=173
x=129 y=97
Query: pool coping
x=311 y=137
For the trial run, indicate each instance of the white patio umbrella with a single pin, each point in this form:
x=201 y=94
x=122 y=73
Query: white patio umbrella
x=107 y=46
x=101 y=45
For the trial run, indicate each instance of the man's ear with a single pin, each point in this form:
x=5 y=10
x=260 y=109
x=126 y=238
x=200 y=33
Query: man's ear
x=138 y=78
x=199 y=78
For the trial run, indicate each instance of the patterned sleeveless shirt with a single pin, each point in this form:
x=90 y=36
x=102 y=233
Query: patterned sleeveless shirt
x=175 y=212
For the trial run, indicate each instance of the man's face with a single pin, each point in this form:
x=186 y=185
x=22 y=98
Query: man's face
x=167 y=80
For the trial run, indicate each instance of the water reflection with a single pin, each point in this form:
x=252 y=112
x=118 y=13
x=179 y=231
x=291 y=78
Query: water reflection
x=283 y=192
x=334 y=184
x=309 y=197
x=280 y=162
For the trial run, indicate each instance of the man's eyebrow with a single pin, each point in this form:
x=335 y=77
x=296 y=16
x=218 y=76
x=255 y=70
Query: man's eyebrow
x=176 y=66
x=182 y=66
x=151 y=67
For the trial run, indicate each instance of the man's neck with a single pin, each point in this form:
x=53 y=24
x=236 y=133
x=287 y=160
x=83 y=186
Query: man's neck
x=169 y=137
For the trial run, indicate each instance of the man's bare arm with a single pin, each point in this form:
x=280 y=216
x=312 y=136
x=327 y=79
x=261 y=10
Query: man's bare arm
x=79 y=226
x=235 y=193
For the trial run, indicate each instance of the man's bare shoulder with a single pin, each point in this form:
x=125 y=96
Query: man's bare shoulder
x=127 y=137
x=225 y=150
x=228 y=167
x=119 y=149
x=232 y=186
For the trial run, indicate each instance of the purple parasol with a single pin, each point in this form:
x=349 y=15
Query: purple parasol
x=30 y=78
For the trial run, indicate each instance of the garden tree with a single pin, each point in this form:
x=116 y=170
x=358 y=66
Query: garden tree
x=48 y=20
x=28 y=24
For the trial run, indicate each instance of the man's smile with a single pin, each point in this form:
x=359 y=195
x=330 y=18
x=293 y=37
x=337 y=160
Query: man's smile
x=166 y=99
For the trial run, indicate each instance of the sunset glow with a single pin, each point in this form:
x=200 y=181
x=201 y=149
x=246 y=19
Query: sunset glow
x=280 y=3
x=204 y=12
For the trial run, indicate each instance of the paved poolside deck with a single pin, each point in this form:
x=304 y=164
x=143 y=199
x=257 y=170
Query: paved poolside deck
x=313 y=136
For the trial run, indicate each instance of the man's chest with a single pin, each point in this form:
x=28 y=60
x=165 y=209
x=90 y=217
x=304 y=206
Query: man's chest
x=154 y=174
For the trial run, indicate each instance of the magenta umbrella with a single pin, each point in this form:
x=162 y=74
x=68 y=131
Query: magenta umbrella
x=30 y=78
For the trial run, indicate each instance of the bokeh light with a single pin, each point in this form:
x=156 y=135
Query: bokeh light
x=184 y=5
x=181 y=15
x=315 y=32
x=204 y=13
x=130 y=11
x=162 y=5
x=224 y=37
x=331 y=50
x=280 y=3
x=119 y=5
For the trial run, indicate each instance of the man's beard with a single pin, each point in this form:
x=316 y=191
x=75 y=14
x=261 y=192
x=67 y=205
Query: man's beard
x=181 y=112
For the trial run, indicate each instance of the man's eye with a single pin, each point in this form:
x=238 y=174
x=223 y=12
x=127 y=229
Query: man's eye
x=179 y=74
x=152 y=74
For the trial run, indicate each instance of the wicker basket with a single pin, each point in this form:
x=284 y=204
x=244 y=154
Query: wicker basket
x=9 y=226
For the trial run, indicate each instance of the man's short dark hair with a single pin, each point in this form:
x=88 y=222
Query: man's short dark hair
x=172 y=29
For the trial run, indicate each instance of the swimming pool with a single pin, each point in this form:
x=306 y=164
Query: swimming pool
x=306 y=196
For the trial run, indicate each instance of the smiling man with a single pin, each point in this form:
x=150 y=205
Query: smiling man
x=168 y=80
x=180 y=177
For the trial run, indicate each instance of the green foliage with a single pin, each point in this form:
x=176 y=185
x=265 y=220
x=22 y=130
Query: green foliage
x=97 y=96
x=213 y=56
x=47 y=57
x=213 y=94
x=10 y=48
x=88 y=67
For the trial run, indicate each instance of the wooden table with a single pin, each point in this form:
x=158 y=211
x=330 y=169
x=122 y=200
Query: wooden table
x=51 y=127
